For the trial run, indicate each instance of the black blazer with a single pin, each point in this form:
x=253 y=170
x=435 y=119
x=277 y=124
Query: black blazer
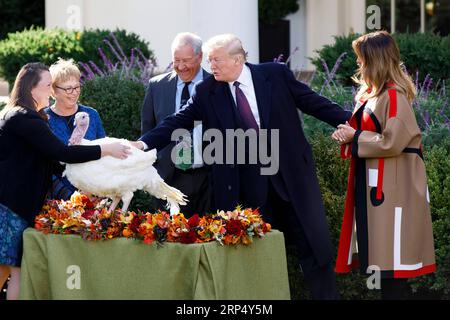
x=28 y=150
x=279 y=96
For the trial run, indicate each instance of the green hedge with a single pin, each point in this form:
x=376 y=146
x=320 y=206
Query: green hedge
x=46 y=45
x=424 y=53
x=118 y=101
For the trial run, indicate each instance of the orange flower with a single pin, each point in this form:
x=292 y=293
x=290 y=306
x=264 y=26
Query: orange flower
x=127 y=233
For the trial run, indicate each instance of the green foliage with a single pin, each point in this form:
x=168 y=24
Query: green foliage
x=17 y=15
x=437 y=163
x=425 y=53
x=118 y=101
x=270 y=11
x=46 y=45
x=331 y=53
x=437 y=134
x=91 y=40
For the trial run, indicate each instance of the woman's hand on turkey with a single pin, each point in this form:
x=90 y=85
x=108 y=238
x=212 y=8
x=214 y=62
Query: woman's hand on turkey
x=116 y=150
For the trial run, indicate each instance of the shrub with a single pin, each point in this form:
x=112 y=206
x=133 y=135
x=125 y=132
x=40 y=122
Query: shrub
x=432 y=113
x=422 y=53
x=118 y=101
x=437 y=162
x=46 y=45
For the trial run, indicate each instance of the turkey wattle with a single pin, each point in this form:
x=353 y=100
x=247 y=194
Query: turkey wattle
x=118 y=179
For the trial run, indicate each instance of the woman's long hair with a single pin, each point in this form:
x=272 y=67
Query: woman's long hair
x=380 y=63
x=27 y=79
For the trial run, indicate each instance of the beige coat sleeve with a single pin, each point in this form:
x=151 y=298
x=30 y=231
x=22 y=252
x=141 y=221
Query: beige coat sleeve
x=396 y=135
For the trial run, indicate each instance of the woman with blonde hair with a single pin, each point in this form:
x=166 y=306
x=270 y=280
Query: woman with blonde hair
x=387 y=221
x=66 y=90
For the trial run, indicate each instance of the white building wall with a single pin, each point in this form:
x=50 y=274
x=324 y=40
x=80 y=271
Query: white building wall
x=327 y=18
x=298 y=37
x=159 y=21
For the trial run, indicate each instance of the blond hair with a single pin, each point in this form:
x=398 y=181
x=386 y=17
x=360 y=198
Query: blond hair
x=64 y=70
x=381 y=63
x=231 y=43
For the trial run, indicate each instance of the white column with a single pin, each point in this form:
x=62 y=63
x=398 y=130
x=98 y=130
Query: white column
x=422 y=16
x=213 y=17
x=298 y=37
x=67 y=14
x=392 y=16
x=322 y=22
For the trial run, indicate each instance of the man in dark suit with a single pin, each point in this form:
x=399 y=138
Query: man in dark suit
x=241 y=95
x=167 y=94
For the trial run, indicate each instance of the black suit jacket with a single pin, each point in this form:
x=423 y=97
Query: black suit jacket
x=28 y=149
x=279 y=96
x=159 y=103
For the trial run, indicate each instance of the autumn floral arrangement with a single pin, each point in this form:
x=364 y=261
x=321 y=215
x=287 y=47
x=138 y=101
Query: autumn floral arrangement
x=90 y=218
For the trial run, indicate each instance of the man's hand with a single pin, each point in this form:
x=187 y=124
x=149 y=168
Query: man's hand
x=344 y=134
x=137 y=144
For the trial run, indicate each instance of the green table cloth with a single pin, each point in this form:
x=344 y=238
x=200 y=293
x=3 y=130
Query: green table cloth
x=68 y=267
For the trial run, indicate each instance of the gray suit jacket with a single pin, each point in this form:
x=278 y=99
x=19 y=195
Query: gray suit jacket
x=159 y=102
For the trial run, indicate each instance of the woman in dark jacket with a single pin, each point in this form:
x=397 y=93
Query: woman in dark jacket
x=29 y=153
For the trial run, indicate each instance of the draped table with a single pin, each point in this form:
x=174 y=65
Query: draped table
x=68 y=267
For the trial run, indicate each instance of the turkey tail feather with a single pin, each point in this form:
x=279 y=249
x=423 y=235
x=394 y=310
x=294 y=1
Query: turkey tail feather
x=173 y=196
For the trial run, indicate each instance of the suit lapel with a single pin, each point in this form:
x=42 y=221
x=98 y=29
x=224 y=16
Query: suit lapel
x=171 y=94
x=222 y=102
x=263 y=94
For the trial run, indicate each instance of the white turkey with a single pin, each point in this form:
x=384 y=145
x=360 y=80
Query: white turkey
x=118 y=179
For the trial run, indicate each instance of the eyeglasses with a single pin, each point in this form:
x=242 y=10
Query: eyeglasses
x=70 y=90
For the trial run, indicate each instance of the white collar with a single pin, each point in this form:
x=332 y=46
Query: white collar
x=245 y=78
x=197 y=78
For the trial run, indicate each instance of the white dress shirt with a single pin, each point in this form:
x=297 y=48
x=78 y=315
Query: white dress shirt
x=246 y=85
